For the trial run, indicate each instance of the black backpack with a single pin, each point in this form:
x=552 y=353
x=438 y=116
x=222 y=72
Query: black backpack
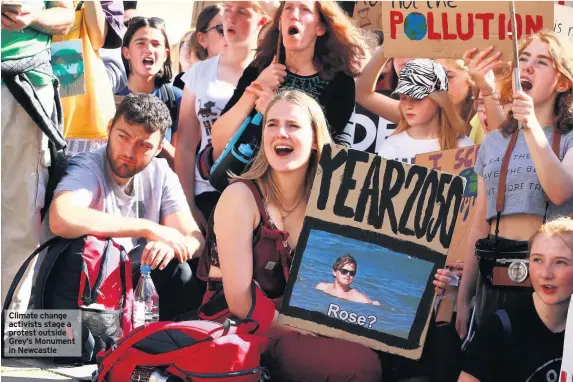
x=73 y=274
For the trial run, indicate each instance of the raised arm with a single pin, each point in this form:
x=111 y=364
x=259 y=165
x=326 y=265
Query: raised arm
x=96 y=23
x=481 y=66
x=366 y=95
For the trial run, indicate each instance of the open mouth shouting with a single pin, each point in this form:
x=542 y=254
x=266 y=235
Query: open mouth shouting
x=283 y=150
x=293 y=30
x=148 y=62
x=526 y=84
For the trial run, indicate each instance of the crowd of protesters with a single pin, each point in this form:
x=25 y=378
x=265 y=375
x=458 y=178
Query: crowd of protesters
x=142 y=142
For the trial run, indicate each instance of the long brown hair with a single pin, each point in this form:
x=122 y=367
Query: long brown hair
x=452 y=126
x=261 y=171
x=561 y=52
x=341 y=49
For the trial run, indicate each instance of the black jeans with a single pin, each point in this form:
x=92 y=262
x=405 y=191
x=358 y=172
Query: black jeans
x=173 y=285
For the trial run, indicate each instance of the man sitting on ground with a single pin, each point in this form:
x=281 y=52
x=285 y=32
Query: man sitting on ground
x=122 y=191
x=344 y=271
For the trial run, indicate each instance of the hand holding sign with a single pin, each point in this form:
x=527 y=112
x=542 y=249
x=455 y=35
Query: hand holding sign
x=273 y=76
x=524 y=111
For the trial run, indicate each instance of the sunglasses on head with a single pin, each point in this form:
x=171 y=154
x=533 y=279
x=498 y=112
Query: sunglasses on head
x=218 y=28
x=347 y=271
x=137 y=19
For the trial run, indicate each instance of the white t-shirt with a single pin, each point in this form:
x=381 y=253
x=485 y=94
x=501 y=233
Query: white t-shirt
x=402 y=147
x=211 y=96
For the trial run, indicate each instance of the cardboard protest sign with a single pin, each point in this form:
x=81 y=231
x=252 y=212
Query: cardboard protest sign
x=564 y=21
x=396 y=222
x=567 y=360
x=446 y=29
x=368 y=15
x=459 y=162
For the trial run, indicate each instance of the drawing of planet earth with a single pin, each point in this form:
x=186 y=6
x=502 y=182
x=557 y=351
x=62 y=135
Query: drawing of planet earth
x=471 y=185
x=415 y=26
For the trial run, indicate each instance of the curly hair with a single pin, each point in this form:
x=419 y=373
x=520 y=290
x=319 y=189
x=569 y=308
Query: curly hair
x=341 y=49
x=561 y=52
x=144 y=109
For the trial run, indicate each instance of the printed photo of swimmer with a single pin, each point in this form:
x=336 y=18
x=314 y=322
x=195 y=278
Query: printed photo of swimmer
x=362 y=283
x=344 y=271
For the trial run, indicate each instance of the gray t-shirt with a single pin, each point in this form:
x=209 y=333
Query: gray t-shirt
x=156 y=190
x=523 y=191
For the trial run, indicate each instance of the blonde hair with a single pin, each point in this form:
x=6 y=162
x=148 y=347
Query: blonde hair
x=560 y=226
x=561 y=51
x=467 y=110
x=261 y=171
x=452 y=126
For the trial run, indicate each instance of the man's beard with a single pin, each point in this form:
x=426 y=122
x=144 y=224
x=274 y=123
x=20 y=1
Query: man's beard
x=122 y=170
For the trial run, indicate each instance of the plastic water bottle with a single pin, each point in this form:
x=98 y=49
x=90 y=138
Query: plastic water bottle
x=146 y=307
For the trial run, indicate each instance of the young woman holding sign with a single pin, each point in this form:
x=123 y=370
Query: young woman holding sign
x=270 y=202
x=533 y=168
x=525 y=342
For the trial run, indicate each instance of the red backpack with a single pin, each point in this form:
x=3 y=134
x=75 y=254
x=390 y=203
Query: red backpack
x=188 y=351
x=90 y=274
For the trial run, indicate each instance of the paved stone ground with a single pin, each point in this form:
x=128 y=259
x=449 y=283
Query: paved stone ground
x=37 y=370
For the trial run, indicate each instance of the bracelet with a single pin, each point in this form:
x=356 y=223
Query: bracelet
x=488 y=95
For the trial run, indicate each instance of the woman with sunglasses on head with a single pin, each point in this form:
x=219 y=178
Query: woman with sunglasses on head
x=228 y=39
x=270 y=202
x=524 y=175
x=145 y=54
x=319 y=52
x=524 y=340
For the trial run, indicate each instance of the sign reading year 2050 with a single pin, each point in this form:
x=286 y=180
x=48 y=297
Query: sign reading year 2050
x=374 y=235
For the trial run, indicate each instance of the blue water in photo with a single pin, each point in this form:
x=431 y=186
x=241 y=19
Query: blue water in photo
x=394 y=279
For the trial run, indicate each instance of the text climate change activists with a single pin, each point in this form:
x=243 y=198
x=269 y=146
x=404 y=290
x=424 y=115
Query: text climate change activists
x=538 y=163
